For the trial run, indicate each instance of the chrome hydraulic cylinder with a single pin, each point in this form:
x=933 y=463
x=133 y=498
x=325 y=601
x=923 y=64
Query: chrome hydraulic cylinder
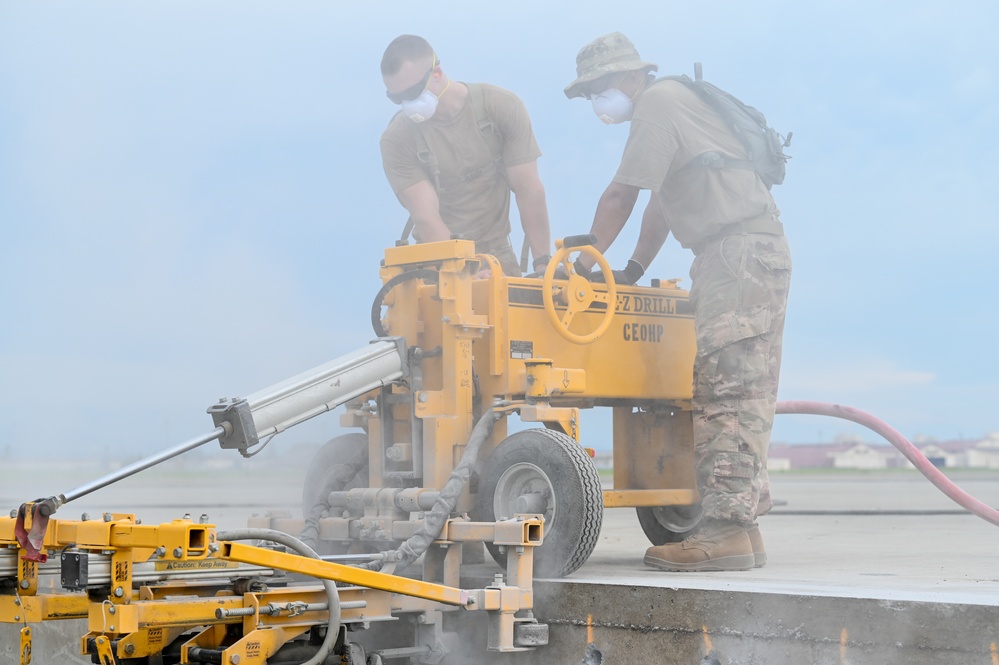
x=309 y=394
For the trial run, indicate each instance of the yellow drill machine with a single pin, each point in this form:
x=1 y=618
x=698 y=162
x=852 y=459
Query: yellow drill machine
x=392 y=510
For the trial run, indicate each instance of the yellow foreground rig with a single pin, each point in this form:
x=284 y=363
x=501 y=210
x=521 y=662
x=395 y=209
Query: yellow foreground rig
x=392 y=510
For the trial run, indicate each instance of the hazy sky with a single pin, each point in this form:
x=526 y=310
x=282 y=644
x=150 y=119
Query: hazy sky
x=193 y=205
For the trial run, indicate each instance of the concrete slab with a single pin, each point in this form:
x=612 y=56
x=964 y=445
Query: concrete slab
x=863 y=568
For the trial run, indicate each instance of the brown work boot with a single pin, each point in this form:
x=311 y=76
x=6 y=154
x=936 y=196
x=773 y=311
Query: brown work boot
x=717 y=545
x=759 y=552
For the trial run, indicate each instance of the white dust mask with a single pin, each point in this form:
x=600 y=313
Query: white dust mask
x=613 y=106
x=422 y=108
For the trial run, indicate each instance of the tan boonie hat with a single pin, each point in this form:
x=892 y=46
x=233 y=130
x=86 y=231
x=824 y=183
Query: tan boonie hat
x=605 y=55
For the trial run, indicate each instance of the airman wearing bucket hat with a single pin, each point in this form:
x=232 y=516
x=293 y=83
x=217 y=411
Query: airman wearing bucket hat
x=610 y=54
x=740 y=278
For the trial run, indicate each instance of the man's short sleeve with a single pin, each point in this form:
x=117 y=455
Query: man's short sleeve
x=399 y=159
x=653 y=141
x=510 y=115
x=648 y=155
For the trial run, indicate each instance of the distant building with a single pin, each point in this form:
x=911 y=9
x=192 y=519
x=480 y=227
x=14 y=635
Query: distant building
x=852 y=453
x=783 y=457
x=984 y=453
x=863 y=456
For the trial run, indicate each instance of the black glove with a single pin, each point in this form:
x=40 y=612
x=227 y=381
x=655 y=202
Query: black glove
x=630 y=275
x=576 y=268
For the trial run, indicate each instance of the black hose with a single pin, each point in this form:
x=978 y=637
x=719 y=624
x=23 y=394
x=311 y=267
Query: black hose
x=433 y=522
x=425 y=274
x=341 y=478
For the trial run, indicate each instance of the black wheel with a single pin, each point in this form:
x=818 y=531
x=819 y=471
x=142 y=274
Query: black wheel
x=669 y=524
x=543 y=471
x=338 y=456
x=341 y=464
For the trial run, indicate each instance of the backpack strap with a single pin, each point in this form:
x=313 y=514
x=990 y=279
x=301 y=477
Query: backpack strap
x=494 y=141
x=487 y=129
x=427 y=157
x=711 y=160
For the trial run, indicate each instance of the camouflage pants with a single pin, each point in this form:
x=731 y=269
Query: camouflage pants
x=503 y=252
x=739 y=290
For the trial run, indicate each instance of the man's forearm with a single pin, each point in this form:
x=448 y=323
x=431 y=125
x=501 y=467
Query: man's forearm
x=430 y=228
x=613 y=211
x=655 y=230
x=421 y=202
x=533 y=210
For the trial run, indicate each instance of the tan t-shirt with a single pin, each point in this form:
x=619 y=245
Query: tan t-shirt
x=474 y=194
x=670 y=127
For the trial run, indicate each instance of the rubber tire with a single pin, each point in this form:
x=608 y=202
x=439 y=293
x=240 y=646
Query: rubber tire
x=336 y=451
x=660 y=534
x=569 y=534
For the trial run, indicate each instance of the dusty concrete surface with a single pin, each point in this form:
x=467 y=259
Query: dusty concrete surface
x=863 y=568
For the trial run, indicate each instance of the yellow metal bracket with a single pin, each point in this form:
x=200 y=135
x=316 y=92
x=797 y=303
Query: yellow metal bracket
x=327 y=570
x=25 y=650
x=104 y=654
x=649 y=498
x=544 y=380
x=565 y=419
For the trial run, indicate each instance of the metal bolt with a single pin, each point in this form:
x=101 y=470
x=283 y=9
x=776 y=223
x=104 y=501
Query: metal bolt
x=111 y=627
x=445 y=319
x=129 y=648
x=13 y=514
x=234 y=659
x=25 y=584
x=421 y=618
x=422 y=397
x=85 y=517
x=203 y=519
x=17 y=617
x=138 y=521
x=119 y=592
x=213 y=548
x=178 y=552
x=107 y=517
x=17 y=601
x=111 y=610
x=159 y=551
x=187 y=516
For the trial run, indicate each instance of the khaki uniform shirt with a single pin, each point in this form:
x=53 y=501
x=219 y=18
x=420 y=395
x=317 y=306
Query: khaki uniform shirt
x=672 y=126
x=474 y=194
